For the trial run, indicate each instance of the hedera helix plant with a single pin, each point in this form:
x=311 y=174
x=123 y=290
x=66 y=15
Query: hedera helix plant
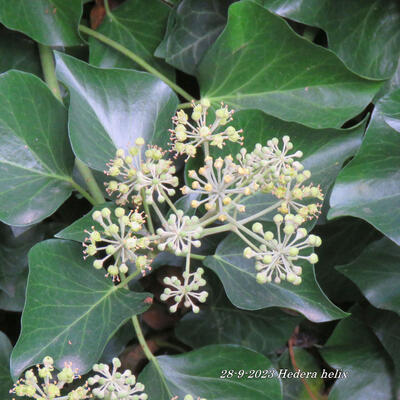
x=171 y=242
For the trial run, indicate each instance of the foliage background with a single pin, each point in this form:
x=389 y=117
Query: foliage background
x=324 y=72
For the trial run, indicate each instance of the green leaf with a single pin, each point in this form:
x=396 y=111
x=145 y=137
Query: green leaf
x=354 y=349
x=50 y=22
x=238 y=276
x=293 y=388
x=193 y=27
x=76 y=231
x=324 y=150
x=368 y=187
x=36 y=160
x=220 y=323
x=137 y=26
x=21 y=53
x=376 y=272
x=6 y=382
x=357 y=32
x=71 y=309
x=198 y=373
x=110 y=108
x=259 y=62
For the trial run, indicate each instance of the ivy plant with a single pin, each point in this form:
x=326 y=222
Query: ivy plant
x=199 y=199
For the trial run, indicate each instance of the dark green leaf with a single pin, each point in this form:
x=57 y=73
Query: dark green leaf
x=238 y=276
x=364 y=35
x=198 y=373
x=118 y=342
x=76 y=231
x=137 y=26
x=110 y=108
x=354 y=349
x=36 y=160
x=368 y=186
x=193 y=27
x=259 y=62
x=71 y=309
x=220 y=323
x=5 y=377
x=19 y=52
x=376 y=272
x=50 y=22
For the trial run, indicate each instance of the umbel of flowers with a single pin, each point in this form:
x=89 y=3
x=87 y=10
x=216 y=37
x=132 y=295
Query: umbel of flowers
x=125 y=241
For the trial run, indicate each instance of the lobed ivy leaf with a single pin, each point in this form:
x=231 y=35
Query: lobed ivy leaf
x=198 y=373
x=110 y=108
x=219 y=322
x=49 y=22
x=71 y=310
x=238 y=276
x=259 y=62
x=137 y=26
x=357 y=32
x=35 y=156
x=192 y=28
x=376 y=272
x=368 y=187
x=5 y=377
x=354 y=349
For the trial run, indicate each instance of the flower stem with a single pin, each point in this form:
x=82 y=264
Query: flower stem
x=147 y=211
x=134 y=57
x=148 y=353
x=47 y=61
x=197 y=256
x=184 y=105
x=107 y=8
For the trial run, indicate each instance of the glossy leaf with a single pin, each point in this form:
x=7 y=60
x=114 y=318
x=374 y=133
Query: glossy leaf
x=6 y=382
x=36 y=160
x=22 y=53
x=50 y=22
x=71 y=310
x=259 y=62
x=198 y=373
x=357 y=32
x=354 y=349
x=219 y=322
x=192 y=28
x=368 y=187
x=376 y=272
x=76 y=231
x=137 y=26
x=238 y=276
x=110 y=108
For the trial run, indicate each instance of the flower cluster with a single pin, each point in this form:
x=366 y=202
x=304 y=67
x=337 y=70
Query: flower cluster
x=180 y=233
x=186 y=291
x=51 y=386
x=146 y=177
x=276 y=256
x=187 y=137
x=117 y=241
x=115 y=385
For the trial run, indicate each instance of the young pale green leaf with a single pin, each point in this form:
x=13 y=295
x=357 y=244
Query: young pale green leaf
x=35 y=156
x=376 y=272
x=76 y=231
x=238 y=275
x=50 y=22
x=193 y=27
x=139 y=27
x=71 y=309
x=357 y=32
x=5 y=377
x=368 y=187
x=199 y=373
x=354 y=349
x=220 y=323
x=22 y=53
x=259 y=62
x=110 y=108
